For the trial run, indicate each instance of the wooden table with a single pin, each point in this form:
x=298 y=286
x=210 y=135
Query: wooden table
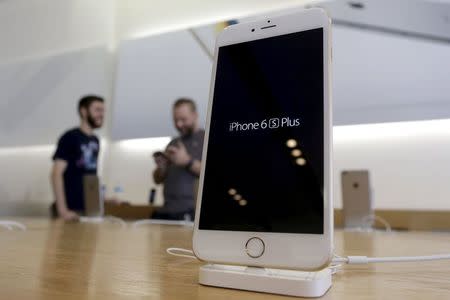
x=53 y=260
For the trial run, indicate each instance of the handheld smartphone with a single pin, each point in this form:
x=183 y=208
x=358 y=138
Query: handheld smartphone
x=356 y=199
x=92 y=201
x=152 y=196
x=264 y=194
x=159 y=154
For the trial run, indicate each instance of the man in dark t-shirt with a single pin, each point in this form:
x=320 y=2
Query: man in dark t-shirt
x=179 y=166
x=75 y=156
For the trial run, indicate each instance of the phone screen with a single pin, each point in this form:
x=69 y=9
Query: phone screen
x=264 y=167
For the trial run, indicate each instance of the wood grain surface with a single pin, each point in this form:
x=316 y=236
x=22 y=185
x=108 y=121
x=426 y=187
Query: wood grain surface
x=56 y=260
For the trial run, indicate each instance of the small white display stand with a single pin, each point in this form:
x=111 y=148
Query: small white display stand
x=274 y=281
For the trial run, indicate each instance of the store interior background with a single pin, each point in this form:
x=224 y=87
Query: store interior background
x=391 y=95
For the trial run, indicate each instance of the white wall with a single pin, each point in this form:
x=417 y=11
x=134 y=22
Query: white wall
x=380 y=77
x=38 y=97
x=24 y=184
x=142 y=17
x=35 y=28
x=151 y=74
x=130 y=166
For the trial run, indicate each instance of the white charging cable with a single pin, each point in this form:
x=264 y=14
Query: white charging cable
x=339 y=261
x=138 y=223
x=11 y=225
x=361 y=260
x=368 y=222
x=372 y=218
x=91 y=219
x=180 y=252
x=98 y=220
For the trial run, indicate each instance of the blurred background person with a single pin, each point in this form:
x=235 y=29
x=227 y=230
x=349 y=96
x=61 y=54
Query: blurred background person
x=178 y=167
x=76 y=155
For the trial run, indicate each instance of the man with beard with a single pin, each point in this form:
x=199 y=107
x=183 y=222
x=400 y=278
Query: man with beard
x=178 y=168
x=75 y=156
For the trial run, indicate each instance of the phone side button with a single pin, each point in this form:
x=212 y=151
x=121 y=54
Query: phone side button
x=255 y=247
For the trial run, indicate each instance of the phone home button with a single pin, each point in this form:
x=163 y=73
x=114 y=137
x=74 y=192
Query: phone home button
x=255 y=247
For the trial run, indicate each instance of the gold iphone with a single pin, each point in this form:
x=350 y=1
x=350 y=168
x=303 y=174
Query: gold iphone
x=265 y=194
x=356 y=199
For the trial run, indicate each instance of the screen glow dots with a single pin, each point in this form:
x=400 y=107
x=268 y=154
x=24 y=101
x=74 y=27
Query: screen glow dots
x=237 y=197
x=296 y=153
x=291 y=143
x=232 y=192
x=300 y=161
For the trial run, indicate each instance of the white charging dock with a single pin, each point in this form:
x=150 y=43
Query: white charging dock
x=274 y=281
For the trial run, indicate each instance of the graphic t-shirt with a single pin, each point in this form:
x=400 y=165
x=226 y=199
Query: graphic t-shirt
x=80 y=151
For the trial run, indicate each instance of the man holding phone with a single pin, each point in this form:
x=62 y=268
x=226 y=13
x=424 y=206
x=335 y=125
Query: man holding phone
x=178 y=168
